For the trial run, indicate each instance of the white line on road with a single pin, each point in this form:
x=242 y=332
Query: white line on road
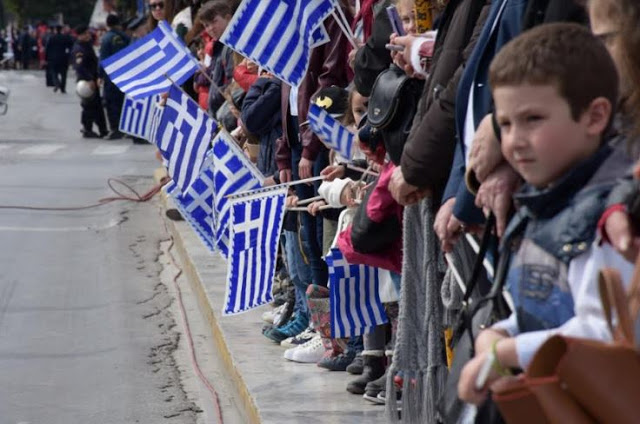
x=110 y=150
x=42 y=149
x=6 y=146
x=108 y=225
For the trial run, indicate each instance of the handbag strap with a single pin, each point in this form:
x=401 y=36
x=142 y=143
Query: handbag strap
x=612 y=296
x=482 y=252
x=634 y=292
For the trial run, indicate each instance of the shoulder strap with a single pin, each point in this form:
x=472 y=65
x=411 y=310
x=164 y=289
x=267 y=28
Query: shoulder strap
x=613 y=297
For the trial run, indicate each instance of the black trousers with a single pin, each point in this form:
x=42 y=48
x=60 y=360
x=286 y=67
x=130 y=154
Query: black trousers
x=92 y=113
x=59 y=75
x=113 y=101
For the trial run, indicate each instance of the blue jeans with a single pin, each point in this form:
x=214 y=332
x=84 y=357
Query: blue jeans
x=311 y=226
x=299 y=271
x=396 y=279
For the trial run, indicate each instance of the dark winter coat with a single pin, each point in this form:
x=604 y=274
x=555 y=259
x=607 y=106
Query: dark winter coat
x=261 y=115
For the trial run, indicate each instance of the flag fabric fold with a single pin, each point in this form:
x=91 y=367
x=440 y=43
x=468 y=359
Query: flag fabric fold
x=279 y=34
x=233 y=173
x=330 y=131
x=256 y=222
x=355 y=302
x=144 y=67
x=196 y=205
x=137 y=116
x=183 y=135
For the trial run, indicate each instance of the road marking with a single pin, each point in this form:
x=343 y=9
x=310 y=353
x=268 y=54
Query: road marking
x=7 y=146
x=112 y=223
x=110 y=150
x=42 y=149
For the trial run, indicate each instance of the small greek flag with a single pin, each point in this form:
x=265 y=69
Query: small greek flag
x=196 y=205
x=137 y=115
x=143 y=68
x=330 y=131
x=233 y=173
x=354 y=297
x=278 y=34
x=183 y=136
x=256 y=222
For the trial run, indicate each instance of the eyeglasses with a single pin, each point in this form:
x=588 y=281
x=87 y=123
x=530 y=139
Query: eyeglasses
x=159 y=5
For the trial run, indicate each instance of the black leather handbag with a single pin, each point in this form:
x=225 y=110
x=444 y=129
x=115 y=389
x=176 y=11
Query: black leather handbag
x=477 y=312
x=392 y=106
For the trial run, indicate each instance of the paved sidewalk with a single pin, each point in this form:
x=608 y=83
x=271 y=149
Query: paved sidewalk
x=274 y=390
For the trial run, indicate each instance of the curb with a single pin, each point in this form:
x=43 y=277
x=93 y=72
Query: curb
x=193 y=276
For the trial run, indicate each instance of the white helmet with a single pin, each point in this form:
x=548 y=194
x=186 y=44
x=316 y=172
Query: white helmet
x=84 y=89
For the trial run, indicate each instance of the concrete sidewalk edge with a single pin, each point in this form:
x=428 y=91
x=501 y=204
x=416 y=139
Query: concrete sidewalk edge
x=191 y=272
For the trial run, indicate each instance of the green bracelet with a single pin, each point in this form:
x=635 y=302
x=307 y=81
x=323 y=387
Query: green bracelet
x=502 y=371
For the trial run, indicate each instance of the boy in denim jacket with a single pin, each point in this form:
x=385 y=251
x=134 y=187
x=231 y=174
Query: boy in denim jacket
x=554 y=89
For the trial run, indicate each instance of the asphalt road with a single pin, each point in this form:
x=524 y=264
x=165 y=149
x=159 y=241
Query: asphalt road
x=89 y=331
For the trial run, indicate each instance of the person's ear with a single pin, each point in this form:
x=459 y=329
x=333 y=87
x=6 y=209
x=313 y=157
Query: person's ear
x=598 y=115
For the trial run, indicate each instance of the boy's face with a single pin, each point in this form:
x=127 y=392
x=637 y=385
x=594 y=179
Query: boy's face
x=540 y=138
x=217 y=26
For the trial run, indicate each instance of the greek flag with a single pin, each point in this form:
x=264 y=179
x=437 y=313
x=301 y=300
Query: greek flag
x=183 y=136
x=144 y=68
x=256 y=222
x=355 y=300
x=330 y=131
x=137 y=115
x=196 y=205
x=278 y=34
x=233 y=173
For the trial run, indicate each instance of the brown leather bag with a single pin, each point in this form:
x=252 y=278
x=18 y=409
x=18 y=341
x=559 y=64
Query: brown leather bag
x=583 y=381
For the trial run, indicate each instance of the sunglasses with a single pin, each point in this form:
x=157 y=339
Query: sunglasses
x=159 y=5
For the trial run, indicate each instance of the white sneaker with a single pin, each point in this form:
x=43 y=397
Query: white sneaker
x=310 y=352
x=300 y=339
x=270 y=316
x=290 y=353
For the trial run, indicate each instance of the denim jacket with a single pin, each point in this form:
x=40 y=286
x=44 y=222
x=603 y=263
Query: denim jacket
x=552 y=227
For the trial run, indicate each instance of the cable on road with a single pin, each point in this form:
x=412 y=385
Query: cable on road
x=185 y=320
x=133 y=196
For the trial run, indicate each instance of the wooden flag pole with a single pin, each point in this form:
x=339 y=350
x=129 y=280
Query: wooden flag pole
x=321 y=208
x=289 y=184
x=345 y=31
x=310 y=200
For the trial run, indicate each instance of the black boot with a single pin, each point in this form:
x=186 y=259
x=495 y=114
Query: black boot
x=374 y=365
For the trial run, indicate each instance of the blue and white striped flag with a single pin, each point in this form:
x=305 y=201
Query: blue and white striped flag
x=278 y=34
x=233 y=173
x=183 y=136
x=142 y=68
x=319 y=37
x=355 y=299
x=196 y=205
x=137 y=115
x=256 y=222
x=330 y=131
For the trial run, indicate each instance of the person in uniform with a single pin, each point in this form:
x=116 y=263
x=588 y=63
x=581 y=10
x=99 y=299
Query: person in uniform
x=113 y=41
x=85 y=63
x=57 y=52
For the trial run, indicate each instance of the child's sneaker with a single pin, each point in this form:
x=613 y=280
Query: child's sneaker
x=298 y=340
x=270 y=316
x=337 y=363
x=310 y=352
x=293 y=328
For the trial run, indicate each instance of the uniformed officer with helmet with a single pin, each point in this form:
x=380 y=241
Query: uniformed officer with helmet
x=85 y=63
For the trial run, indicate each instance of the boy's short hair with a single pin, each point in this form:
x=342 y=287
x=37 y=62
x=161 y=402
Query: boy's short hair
x=211 y=9
x=562 y=54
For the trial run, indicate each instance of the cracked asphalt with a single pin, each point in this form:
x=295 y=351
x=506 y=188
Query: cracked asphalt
x=88 y=330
